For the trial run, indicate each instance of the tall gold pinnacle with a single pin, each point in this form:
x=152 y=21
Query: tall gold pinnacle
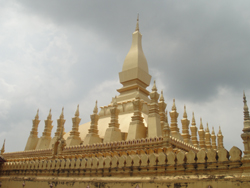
x=245 y=108
x=201 y=125
x=154 y=88
x=185 y=112
x=77 y=111
x=62 y=115
x=174 y=107
x=37 y=114
x=49 y=116
x=161 y=96
x=193 y=119
x=95 y=111
x=3 y=147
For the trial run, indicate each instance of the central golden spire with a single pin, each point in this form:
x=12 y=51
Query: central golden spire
x=134 y=73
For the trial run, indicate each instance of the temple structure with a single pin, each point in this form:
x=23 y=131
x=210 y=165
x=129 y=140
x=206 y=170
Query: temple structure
x=130 y=143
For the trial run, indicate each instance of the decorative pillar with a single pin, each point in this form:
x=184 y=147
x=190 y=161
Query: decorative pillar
x=173 y=126
x=44 y=141
x=194 y=132
x=60 y=143
x=74 y=135
x=208 y=138
x=93 y=137
x=202 y=136
x=213 y=137
x=113 y=133
x=60 y=128
x=162 y=108
x=33 y=139
x=154 y=120
x=137 y=128
x=220 y=139
x=246 y=130
x=185 y=127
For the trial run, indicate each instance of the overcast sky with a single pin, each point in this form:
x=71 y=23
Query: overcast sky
x=56 y=54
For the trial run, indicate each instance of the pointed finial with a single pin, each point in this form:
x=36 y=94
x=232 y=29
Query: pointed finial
x=62 y=115
x=185 y=112
x=207 y=130
x=245 y=108
x=77 y=111
x=161 y=97
x=154 y=87
x=173 y=107
x=49 y=116
x=201 y=125
x=37 y=114
x=95 y=111
x=137 y=24
x=219 y=130
x=193 y=119
x=244 y=99
x=213 y=130
x=3 y=147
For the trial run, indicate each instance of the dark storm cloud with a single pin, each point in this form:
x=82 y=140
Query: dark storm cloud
x=212 y=39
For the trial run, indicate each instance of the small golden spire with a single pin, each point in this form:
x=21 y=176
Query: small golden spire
x=49 y=116
x=213 y=133
x=174 y=107
x=37 y=114
x=246 y=112
x=219 y=131
x=154 y=88
x=207 y=130
x=185 y=112
x=3 y=147
x=161 y=97
x=202 y=136
x=62 y=115
x=193 y=119
x=193 y=129
x=213 y=137
x=95 y=111
x=137 y=23
x=201 y=125
x=220 y=139
x=77 y=111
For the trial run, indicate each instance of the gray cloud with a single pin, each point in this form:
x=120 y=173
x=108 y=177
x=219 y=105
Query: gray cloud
x=210 y=40
x=67 y=48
